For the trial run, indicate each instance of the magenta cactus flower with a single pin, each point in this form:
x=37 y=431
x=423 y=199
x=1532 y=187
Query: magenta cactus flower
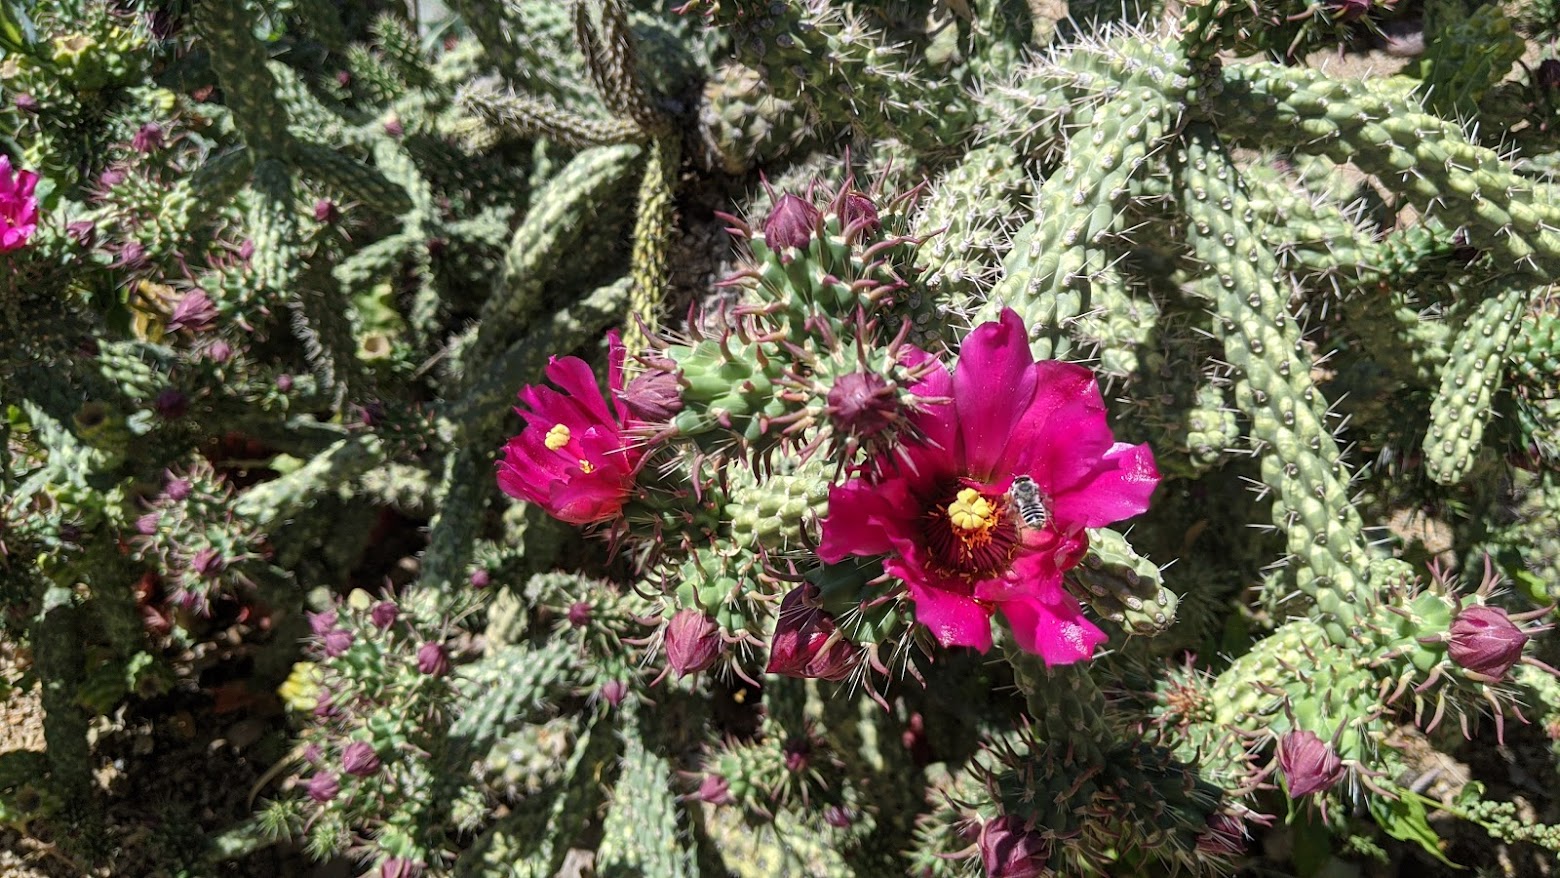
x=1008 y=850
x=805 y=643
x=18 y=206
x=1486 y=642
x=791 y=223
x=692 y=642
x=1310 y=764
x=939 y=508
x=574 y=458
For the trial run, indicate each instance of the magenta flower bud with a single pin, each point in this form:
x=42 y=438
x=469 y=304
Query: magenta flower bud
x=177 y=489
x=614 y=691
x=432 y=659
x=132 y=256
x=195 y=311
x=343 y=78
x=393 y=127
x=146 y=525
x=208 y=563
x=219 y=352
x=653 y=396
x=148 y=139
x=323 y=786
x=1349 y=10
x=791 y=223
x=579 y=614
x=715 y=790
x=862 y=404
x=384 y=614
x=480 y=578
x=326 y=211
x=798 y=754
x=838 y=816
x=337 y=641
x=325 y=706
x=246 y=249
x=399 y=867
x=359 y=759
x=111 y=177
x=801 y=644
x=312 y=754
x=284 y=383
x=858 y=212
x=321 y=624
x=171 y=404
x=82 y=232
x=1485 y=641
x=1310 y=764
x=692 y=642
x=26 y=102
x=1008 y=850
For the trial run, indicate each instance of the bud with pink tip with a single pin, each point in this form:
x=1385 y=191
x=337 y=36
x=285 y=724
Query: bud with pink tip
x=692 y=642
x=805 y=642
x=863 y=404
x=26 y=102
x=321 y=624
x=384 y=614
x=791 y=223
x=715 y=790
x=399 y=867
x=359 y=759
x=859 y=213
x=1008 y=850
x=653 y=396
x=579 y=614
x=1310 y=764
x=323 y=787
x=613 y=692
x=177 y=489
x=480 y=578
x=326 y=211
x=148 y=138
x=432 y=659
x=1486 y=642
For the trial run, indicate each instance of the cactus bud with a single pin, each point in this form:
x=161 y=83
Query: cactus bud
x=246 y=250
x=613 y=692
x=326 y=211
x=195 y=312
x=171 y=404
x=82 y=232
x=791 y=223
x=323 y=787
x=653 y=396
x=715 y=790
x=146 y=525
x=384 y=614
x=859 y=213
x=1225 y=836
x=1310 y=764
x=359 y=759
x=432 y=659
x=220 y=352
x=1485 y=641
x=838 y=816
x=177 y=489
x=337 y=641
x=399 y=867
x=805 y=643
x=321 y=624
x=149 y=138
x=393 y=127
x=284 y=383
x=862 y=404
x=1008 y=850
x=26 y=102
x=579 y=614
x=692 y=642
x=208 y=563
x=480 y=578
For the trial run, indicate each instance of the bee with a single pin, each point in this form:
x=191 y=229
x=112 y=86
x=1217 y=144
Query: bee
x=1027 y=499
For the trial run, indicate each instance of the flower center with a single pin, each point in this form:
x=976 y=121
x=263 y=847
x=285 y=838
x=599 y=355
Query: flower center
x=972 y=536
x=557 y=437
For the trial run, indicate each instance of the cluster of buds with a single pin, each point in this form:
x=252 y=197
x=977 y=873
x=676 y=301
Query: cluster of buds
x=199 y=548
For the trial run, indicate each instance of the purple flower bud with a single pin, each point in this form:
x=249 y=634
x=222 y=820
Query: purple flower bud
x=323 y=786
x=579 y=614
x=399 y=867
x=480 y=578
x=208 y=563
x=692 y=642
x=393 y=127
x=791 y=223
x=132 y=256
x=862 y=404
x=82 y=232
x=312 y=754
x=432 y=659
x=195 y=311
x=26 y=102
x=838 y=816
x=1310 y=765
x=654 y=395
x=859 y=213
x=343 y=78
x=326 y=211
x=177 y=489
x=148 y=139
x=321 y=624
x=802 y=647
x=246 y=249
x=171 y=404
x=284 y=383
x=1008 y=850
x=337 y=641
x=219 y=352
x=614 y=691
x=111 y=177
x=798 y=755
x=1486 y=642
x=325 y=706
x=715 y=790
x=146 y=525
x=1548 y=74
x=384 y=614
x=359 y=759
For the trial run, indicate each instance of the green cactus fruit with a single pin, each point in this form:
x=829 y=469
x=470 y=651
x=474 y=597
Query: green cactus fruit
x=1469 y=382
x=1122 y=585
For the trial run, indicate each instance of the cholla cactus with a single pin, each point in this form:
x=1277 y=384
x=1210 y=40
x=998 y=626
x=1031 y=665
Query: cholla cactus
x=890 y=379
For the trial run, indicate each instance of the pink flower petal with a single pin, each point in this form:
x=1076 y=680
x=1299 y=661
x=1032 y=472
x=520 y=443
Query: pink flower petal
x=1120 y=489
x=937 y=423
x=575 y=378
x=1066 y=417
x=993 y=385
x=617 y=354
x=1052 y=625
x=955 y=619
x=864 y=519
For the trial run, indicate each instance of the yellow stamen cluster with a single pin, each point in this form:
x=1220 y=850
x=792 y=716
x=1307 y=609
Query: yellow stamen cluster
x=973 y=517
x=557 y=437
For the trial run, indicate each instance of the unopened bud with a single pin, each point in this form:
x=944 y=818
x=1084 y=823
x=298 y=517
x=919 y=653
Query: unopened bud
x=321 y=624
x=692 y=642
x=859 y=213
x=579 y=614
x=862 y=404
x=1485 y=641
x=325 y=211
x=791 y=223
x=337 y=641
x=384 y=614
x=323 y=786
x=432 y=659
x=149 y=138
x=359 y=759
x=715 y=790
x=805 y=642
x=1310 y=764
x=1008 y=850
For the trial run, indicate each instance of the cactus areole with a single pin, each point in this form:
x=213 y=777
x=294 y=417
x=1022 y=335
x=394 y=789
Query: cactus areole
x=939 y=508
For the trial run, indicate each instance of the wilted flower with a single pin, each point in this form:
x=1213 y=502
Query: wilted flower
x=939 y=509
x=791 y=223
x=1309 y=763
x=432 y=659
x=323 y=786
x=1008 y=850
x=359 y=759
x=337 y=641
x=1485 y=641
x=384 y=614
x=805 y=642
x=18 y=206
x=573 y=458
x=692 y=642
